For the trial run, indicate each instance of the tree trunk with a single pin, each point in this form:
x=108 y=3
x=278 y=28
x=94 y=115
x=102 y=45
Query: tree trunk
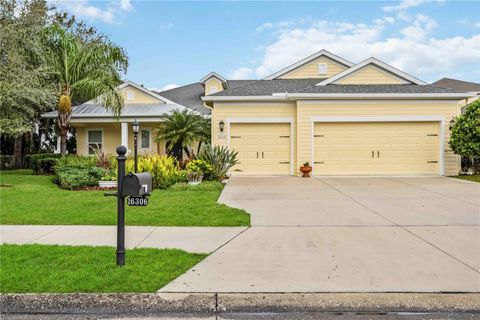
x=199 y=147
x=63 y=126
x=187 y=152
x=17 y=151
x=63 y=143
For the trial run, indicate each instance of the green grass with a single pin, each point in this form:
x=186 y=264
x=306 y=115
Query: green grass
x=474 y=178
x=41 y=268
x=32 y=199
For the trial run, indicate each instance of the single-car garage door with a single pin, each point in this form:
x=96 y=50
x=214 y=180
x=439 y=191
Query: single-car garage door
x=371 y=148
x=263 y=148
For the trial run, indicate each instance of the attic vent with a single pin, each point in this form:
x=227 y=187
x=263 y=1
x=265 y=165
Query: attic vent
x=130 y=95
x=322 y=68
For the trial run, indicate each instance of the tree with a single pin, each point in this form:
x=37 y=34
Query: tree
x=83 y=68
x=182 y=128
x=25 y=90
x=465 y=132
x=204 y=132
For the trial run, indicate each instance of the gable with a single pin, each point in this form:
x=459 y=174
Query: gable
x=371 y=74
x=133 y=95
x=311 y=69
x=213 y=85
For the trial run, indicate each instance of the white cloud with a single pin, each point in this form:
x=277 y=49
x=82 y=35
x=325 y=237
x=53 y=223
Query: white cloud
x=406 y=4
x=87 y=10
x=477 y=24
x=125 y=5
x=410 y=46
x=241 y=73
x=165 y=87
x=265 y=26
x=165 y=27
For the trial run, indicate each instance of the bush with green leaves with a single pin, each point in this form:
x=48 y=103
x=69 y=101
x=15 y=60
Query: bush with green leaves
x=221 y=160
x=44 y=166
x=30 y=161
x=465 y=132
x=164 y=169
x=7 y=162
x=73 y=178
x=76 y=172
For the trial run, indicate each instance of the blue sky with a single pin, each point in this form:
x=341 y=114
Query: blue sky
x=176 y=43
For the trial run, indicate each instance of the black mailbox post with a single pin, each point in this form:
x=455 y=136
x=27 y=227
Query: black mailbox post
x=134 y=186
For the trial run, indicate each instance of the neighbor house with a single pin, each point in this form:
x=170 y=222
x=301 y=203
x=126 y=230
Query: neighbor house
x=466 y=86
x=343 y=118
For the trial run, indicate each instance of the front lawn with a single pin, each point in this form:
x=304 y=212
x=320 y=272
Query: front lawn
x=33 y=199
x=41 y=268
x=474 y=178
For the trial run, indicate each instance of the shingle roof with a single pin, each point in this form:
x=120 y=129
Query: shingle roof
x=457 y=84
x=378 y=88
x=267 y=87
x=190 y=94
x=89 y=110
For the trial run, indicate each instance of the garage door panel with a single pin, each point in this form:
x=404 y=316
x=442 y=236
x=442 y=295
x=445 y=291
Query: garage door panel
x=264 y=148
x=398 y=148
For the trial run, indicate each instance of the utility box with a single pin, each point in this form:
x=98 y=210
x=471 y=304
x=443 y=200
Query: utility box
x=137 y=184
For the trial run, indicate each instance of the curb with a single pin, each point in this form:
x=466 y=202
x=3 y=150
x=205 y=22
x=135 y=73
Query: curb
x=152 y=303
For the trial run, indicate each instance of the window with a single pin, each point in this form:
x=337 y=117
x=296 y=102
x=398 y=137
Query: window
x=322 y=68
x=145 y=138
x=130 y=95
x=213 y=89
x=94 y=140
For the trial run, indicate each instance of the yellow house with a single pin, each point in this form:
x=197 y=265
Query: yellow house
x=342 y=118
x=96 y=127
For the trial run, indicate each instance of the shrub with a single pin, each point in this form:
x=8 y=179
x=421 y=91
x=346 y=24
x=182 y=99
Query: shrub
x=196 y=169
x=204 y=186
x=220 y=158
x=7 y=162
x=44 y=166
x=465 y=132
x=72 y=178
x=76 y=161
x=164 y=169
x=30 y=160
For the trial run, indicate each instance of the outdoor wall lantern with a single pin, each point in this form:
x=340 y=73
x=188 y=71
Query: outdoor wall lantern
x=221 y=125
x=135 y=128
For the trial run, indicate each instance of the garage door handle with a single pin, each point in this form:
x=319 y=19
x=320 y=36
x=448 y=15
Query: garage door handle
x=378 y=154
x=373 y=153
x=262 y=154
x=257 y=154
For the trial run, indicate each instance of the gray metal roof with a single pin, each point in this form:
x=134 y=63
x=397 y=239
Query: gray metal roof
x=377 y=88
x=457 y=84
x=89 y=110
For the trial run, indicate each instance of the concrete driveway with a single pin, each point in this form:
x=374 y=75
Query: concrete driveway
x=410 y=234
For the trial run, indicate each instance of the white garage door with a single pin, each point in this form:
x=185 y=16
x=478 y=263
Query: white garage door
x=376 y=148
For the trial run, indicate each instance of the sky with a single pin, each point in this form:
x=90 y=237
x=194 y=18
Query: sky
x=176 y=43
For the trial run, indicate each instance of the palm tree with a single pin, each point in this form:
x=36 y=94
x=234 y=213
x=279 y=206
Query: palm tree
x=204 y=132
x=83 y=69
x=181 y=129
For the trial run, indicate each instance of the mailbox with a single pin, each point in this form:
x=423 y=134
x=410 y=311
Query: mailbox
x=137 y=184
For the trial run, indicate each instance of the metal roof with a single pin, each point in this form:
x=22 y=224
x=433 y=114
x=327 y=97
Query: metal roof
x=90 y=110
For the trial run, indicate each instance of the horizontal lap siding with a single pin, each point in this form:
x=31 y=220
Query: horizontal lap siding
x=310 y=70
x=257 y=110
x=308 y=109
x=370 y=75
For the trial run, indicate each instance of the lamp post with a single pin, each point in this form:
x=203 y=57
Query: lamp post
x=135 y=128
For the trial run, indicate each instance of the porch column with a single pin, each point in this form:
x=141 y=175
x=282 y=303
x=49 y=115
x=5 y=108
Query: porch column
x=125 y=135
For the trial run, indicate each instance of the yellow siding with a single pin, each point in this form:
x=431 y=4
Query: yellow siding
x=213 y=82
x=370 y=75
x=112 y=137
x=310 y=69
x=224 y=110
x=138 y=96
x=308 y=109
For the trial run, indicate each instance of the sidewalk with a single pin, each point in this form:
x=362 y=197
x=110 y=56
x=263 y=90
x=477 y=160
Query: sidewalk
x=190 y=239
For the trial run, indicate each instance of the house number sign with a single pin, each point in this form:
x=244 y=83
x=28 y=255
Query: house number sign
x=137 y=201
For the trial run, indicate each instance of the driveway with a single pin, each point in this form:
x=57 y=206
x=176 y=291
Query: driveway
x=409 y=234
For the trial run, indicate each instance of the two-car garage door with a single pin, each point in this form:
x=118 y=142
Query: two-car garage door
x=340 y=148
x=371 y=148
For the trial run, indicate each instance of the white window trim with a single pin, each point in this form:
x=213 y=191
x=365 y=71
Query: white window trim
x=264 y=120
x=130 y=95
x=149 y=140
x=87 y=149
x=433 y=118
x=322 y=65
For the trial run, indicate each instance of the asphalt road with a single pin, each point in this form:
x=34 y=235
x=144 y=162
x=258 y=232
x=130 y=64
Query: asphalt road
x=251 y=316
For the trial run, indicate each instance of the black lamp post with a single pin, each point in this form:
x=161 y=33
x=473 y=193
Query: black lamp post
x=135 y=128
